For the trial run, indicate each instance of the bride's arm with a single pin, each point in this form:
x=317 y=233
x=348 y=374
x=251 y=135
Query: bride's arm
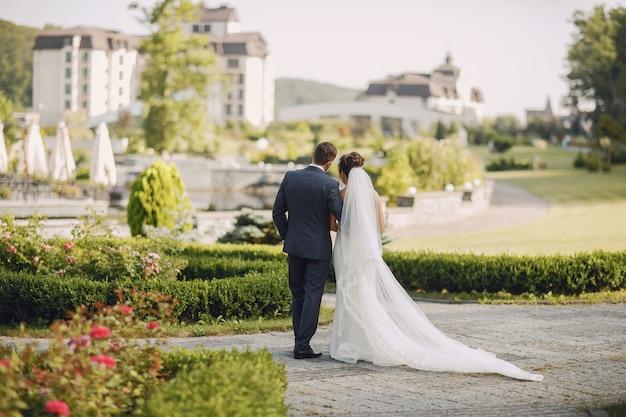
x=334 y=226
x=334 y=223
x=381 y=215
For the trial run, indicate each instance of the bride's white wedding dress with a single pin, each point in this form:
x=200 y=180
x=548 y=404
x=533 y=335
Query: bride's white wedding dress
x=375 y=319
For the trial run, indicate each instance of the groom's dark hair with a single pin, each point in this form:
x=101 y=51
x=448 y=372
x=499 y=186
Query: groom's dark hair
x=324 y=152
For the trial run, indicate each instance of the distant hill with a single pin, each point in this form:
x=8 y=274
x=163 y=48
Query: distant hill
x=292 y=91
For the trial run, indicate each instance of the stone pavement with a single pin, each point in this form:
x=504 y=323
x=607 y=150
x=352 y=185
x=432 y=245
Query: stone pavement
x=580 y=349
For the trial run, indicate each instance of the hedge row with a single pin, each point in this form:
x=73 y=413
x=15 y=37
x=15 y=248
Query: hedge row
x=32 y=298
x=225 y=383
x=558 y=274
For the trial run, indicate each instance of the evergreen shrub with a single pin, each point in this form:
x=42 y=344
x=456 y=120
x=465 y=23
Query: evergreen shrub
x=220 y=383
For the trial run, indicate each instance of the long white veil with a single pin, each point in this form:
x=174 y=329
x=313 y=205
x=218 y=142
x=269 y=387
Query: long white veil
x=375 y=319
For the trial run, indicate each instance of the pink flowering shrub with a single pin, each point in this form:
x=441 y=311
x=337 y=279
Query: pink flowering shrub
x=93 y=366
x=98 y=256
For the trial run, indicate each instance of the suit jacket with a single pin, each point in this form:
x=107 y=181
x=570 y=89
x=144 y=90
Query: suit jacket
x=301 y=212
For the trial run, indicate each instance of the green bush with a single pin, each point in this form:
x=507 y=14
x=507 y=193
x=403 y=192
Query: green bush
x=158 y=198
x=252 y=228
x=504 y=164
x=33 y=298
x=96 y=365
x=501 y=144
x=556 y=274
x=228 y=384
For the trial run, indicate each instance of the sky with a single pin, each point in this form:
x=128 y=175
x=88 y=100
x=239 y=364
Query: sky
x=514 y=51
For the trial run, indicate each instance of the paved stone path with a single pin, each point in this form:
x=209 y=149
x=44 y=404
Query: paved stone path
x=580 y=349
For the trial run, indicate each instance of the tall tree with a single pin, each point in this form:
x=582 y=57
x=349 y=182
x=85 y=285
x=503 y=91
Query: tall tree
x=597 y=61
x=180 y=68
x=16 y=62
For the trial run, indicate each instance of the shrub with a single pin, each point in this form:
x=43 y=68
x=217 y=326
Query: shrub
x=220 y=384
x=158 y=198
x=501 y=144
x=252 y=228
x=93 y=366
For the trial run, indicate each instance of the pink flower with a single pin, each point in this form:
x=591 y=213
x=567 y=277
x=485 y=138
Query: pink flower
x=116 y=346
x=70 y=259
x=152 y=325
x=104 y=360
x=68 y=246
x=60 y=272
x=6 y=236
x=12 y=249
x=47 y=248
x=5 y=362
x=35 y=259
x=124 y=308
x=100 y=332
x=79 y=341
x=58 y=407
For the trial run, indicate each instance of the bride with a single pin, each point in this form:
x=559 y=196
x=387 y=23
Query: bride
x=375 y=319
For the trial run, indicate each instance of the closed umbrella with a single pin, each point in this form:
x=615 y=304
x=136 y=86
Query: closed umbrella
x=62 y=165
x=4 y=157
x=102 y=168
x=35 y=153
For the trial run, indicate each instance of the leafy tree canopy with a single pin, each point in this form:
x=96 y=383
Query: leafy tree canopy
x=180 y=68
x=597 y=62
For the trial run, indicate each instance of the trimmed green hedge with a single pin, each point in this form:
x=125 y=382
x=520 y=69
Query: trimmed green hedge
x=226 y=261
x=558 y=274
x=220 y=383
x=32 y=298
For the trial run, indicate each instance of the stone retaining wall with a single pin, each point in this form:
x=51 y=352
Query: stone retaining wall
x=439 y=206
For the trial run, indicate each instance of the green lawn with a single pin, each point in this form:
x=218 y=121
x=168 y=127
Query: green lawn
x=587 y=212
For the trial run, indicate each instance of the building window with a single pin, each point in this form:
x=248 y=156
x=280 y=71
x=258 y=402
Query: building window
x=240 y=110
x=85 y=72
x=121 y=59
x=233 y=63
x=240 y=94
x=68 y=57
x=240 y=78
x=86 y=57
x=68 y=105
x=85 y=105
x=67 y=41
x=207 y=28
x=196 y=29
x=68 y=89
x=85 y=89
x=121 y=75
x=68 y=73
x=228 y=109
x=120 y=91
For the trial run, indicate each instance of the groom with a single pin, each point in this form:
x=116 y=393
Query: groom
x=301 y=212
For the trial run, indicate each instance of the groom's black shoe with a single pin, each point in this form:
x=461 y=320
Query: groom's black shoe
x=306 y=353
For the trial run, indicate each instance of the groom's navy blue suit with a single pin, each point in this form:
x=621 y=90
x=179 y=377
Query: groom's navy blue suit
x=301 y=212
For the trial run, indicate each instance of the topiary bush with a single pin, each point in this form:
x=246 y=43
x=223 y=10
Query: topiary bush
x=158 y=198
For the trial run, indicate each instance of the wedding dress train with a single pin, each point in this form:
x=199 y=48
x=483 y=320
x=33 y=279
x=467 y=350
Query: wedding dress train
x=375 y=319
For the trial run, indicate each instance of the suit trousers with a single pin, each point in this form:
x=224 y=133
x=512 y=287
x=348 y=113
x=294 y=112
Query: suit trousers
x=307 y=278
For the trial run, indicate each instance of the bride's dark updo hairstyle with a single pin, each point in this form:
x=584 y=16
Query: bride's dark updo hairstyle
x=349 y=161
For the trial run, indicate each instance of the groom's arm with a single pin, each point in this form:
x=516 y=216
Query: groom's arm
x=279 y=212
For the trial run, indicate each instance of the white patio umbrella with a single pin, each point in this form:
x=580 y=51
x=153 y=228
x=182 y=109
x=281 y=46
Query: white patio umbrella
x=102 y=168
x=4 y=157
x=35 y=153
x=62 y=164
